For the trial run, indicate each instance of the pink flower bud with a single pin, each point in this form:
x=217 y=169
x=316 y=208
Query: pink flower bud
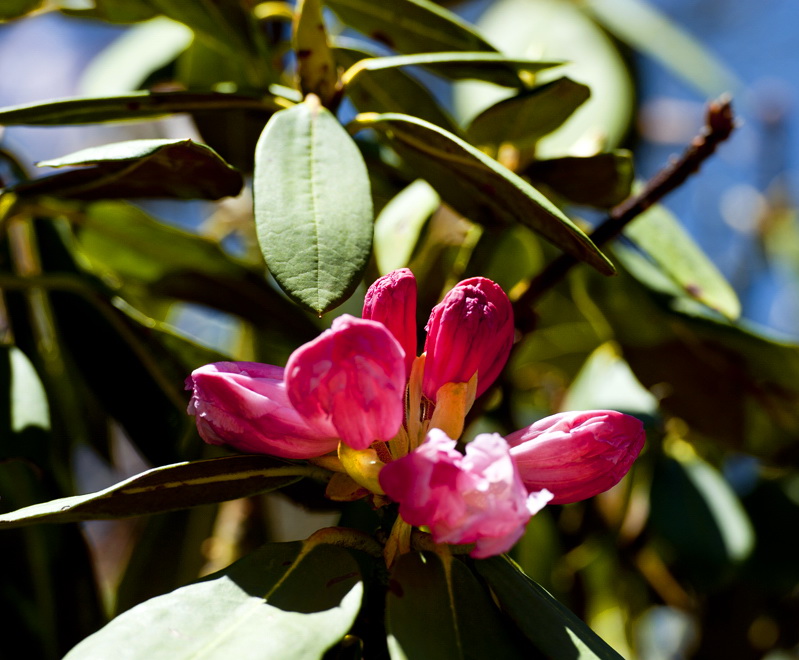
x=391 y=300
x=577 y=454
x=477 y=498
x=470 y=331
x=351 y=377
x=245 y=405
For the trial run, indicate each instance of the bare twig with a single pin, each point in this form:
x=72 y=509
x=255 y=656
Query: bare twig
x=719 y=124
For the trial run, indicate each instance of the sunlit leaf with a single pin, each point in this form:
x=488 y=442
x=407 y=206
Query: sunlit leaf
x=550 y=626
x=410 y=26
x=139 y=168
x=525 y=118
x=478 y=186
x=316 y=69
x=289 y=600
x=166 y=488
x=313 y=206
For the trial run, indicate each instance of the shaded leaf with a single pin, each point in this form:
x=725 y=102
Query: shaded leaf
x=525 y=118
x=478 y=186
x=15 y=8
x=601 y=181
x=165 y=488
x=139 y=168
x=437 y=609
x=660 y=235
x=550 y=626
x=410 y=26
x=313 y=206
x=289 y=600
x=316 y=68
x=134 y=106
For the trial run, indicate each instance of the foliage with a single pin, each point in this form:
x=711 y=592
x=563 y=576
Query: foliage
x=339 y=122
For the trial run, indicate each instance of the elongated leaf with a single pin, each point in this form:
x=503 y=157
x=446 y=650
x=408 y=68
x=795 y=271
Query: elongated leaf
x=313 y=206
x=478 y=186
x=389 y=90
x=527 y=117
x=410 y=26
x=291 y=601
x=316 y=68
x=114 y=11
x=132 y=107
x=439 y=610
x=660 y=235
x=490 y=67
x=602 y=181
x=550 y=626
x=164 y=488
x=139 y=168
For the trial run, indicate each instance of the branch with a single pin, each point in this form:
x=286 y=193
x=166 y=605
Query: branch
x=719 y=124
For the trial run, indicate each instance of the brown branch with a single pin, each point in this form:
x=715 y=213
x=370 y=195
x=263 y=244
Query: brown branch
x=719 y=124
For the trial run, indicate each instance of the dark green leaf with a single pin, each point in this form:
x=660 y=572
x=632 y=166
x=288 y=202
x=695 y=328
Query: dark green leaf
x=437 y=609
x=491 y=67
x=524 y=119
x=133 y=107
x=115 y=11
x=478 y=186
x=390 y=90
x=602 y=181
x=16 y=8
x=313 y=206
x=291 y=601
x=139 y=168
x=166 y=488
x=550 y=626
x=410 y=26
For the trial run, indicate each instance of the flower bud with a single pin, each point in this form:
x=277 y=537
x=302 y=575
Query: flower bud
x=470 y=331
x=245 y=405
x=577 y=455
x=391 y=300
x=351 y=377
x=474 y=498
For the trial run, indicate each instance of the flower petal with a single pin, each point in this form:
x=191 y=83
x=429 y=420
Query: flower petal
x=351 y=377
x=470 y=331
x=577 y=455
x=245 y=405
x=391 y=300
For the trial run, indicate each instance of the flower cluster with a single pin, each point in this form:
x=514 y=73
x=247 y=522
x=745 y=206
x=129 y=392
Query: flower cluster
x=393 y=418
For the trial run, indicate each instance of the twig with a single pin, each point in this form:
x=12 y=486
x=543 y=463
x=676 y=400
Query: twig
x=719 y=124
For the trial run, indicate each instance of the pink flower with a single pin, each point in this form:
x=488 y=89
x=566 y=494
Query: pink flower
x=245 y=405
x=477 y=498
x=391 y=300
x=353 y=377
x=577 y=455
x=470 y=331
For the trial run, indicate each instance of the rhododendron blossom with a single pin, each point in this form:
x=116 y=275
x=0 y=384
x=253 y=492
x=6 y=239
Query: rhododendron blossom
x=394 y=418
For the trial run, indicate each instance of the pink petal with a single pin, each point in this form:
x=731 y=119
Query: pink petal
x=351 y=377
x=245 y=405
x=470 y=331
x=577 y=455
x=391 y=300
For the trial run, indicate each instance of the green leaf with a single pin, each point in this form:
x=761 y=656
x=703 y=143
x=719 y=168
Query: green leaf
x=478 y=186
x=410 y=26
x=659 y=234
x=399 y=224
x=139 y=168
x=437 y=609
x=389 y=90
x=135 y=106
x=524 y=119
x=601 y=181
x=490 y=67
x=291 y=601
x=165 y=488
x=114 y=11
x=15 y=8
x=316 y=68
x=550 y=626
x=313 y=206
